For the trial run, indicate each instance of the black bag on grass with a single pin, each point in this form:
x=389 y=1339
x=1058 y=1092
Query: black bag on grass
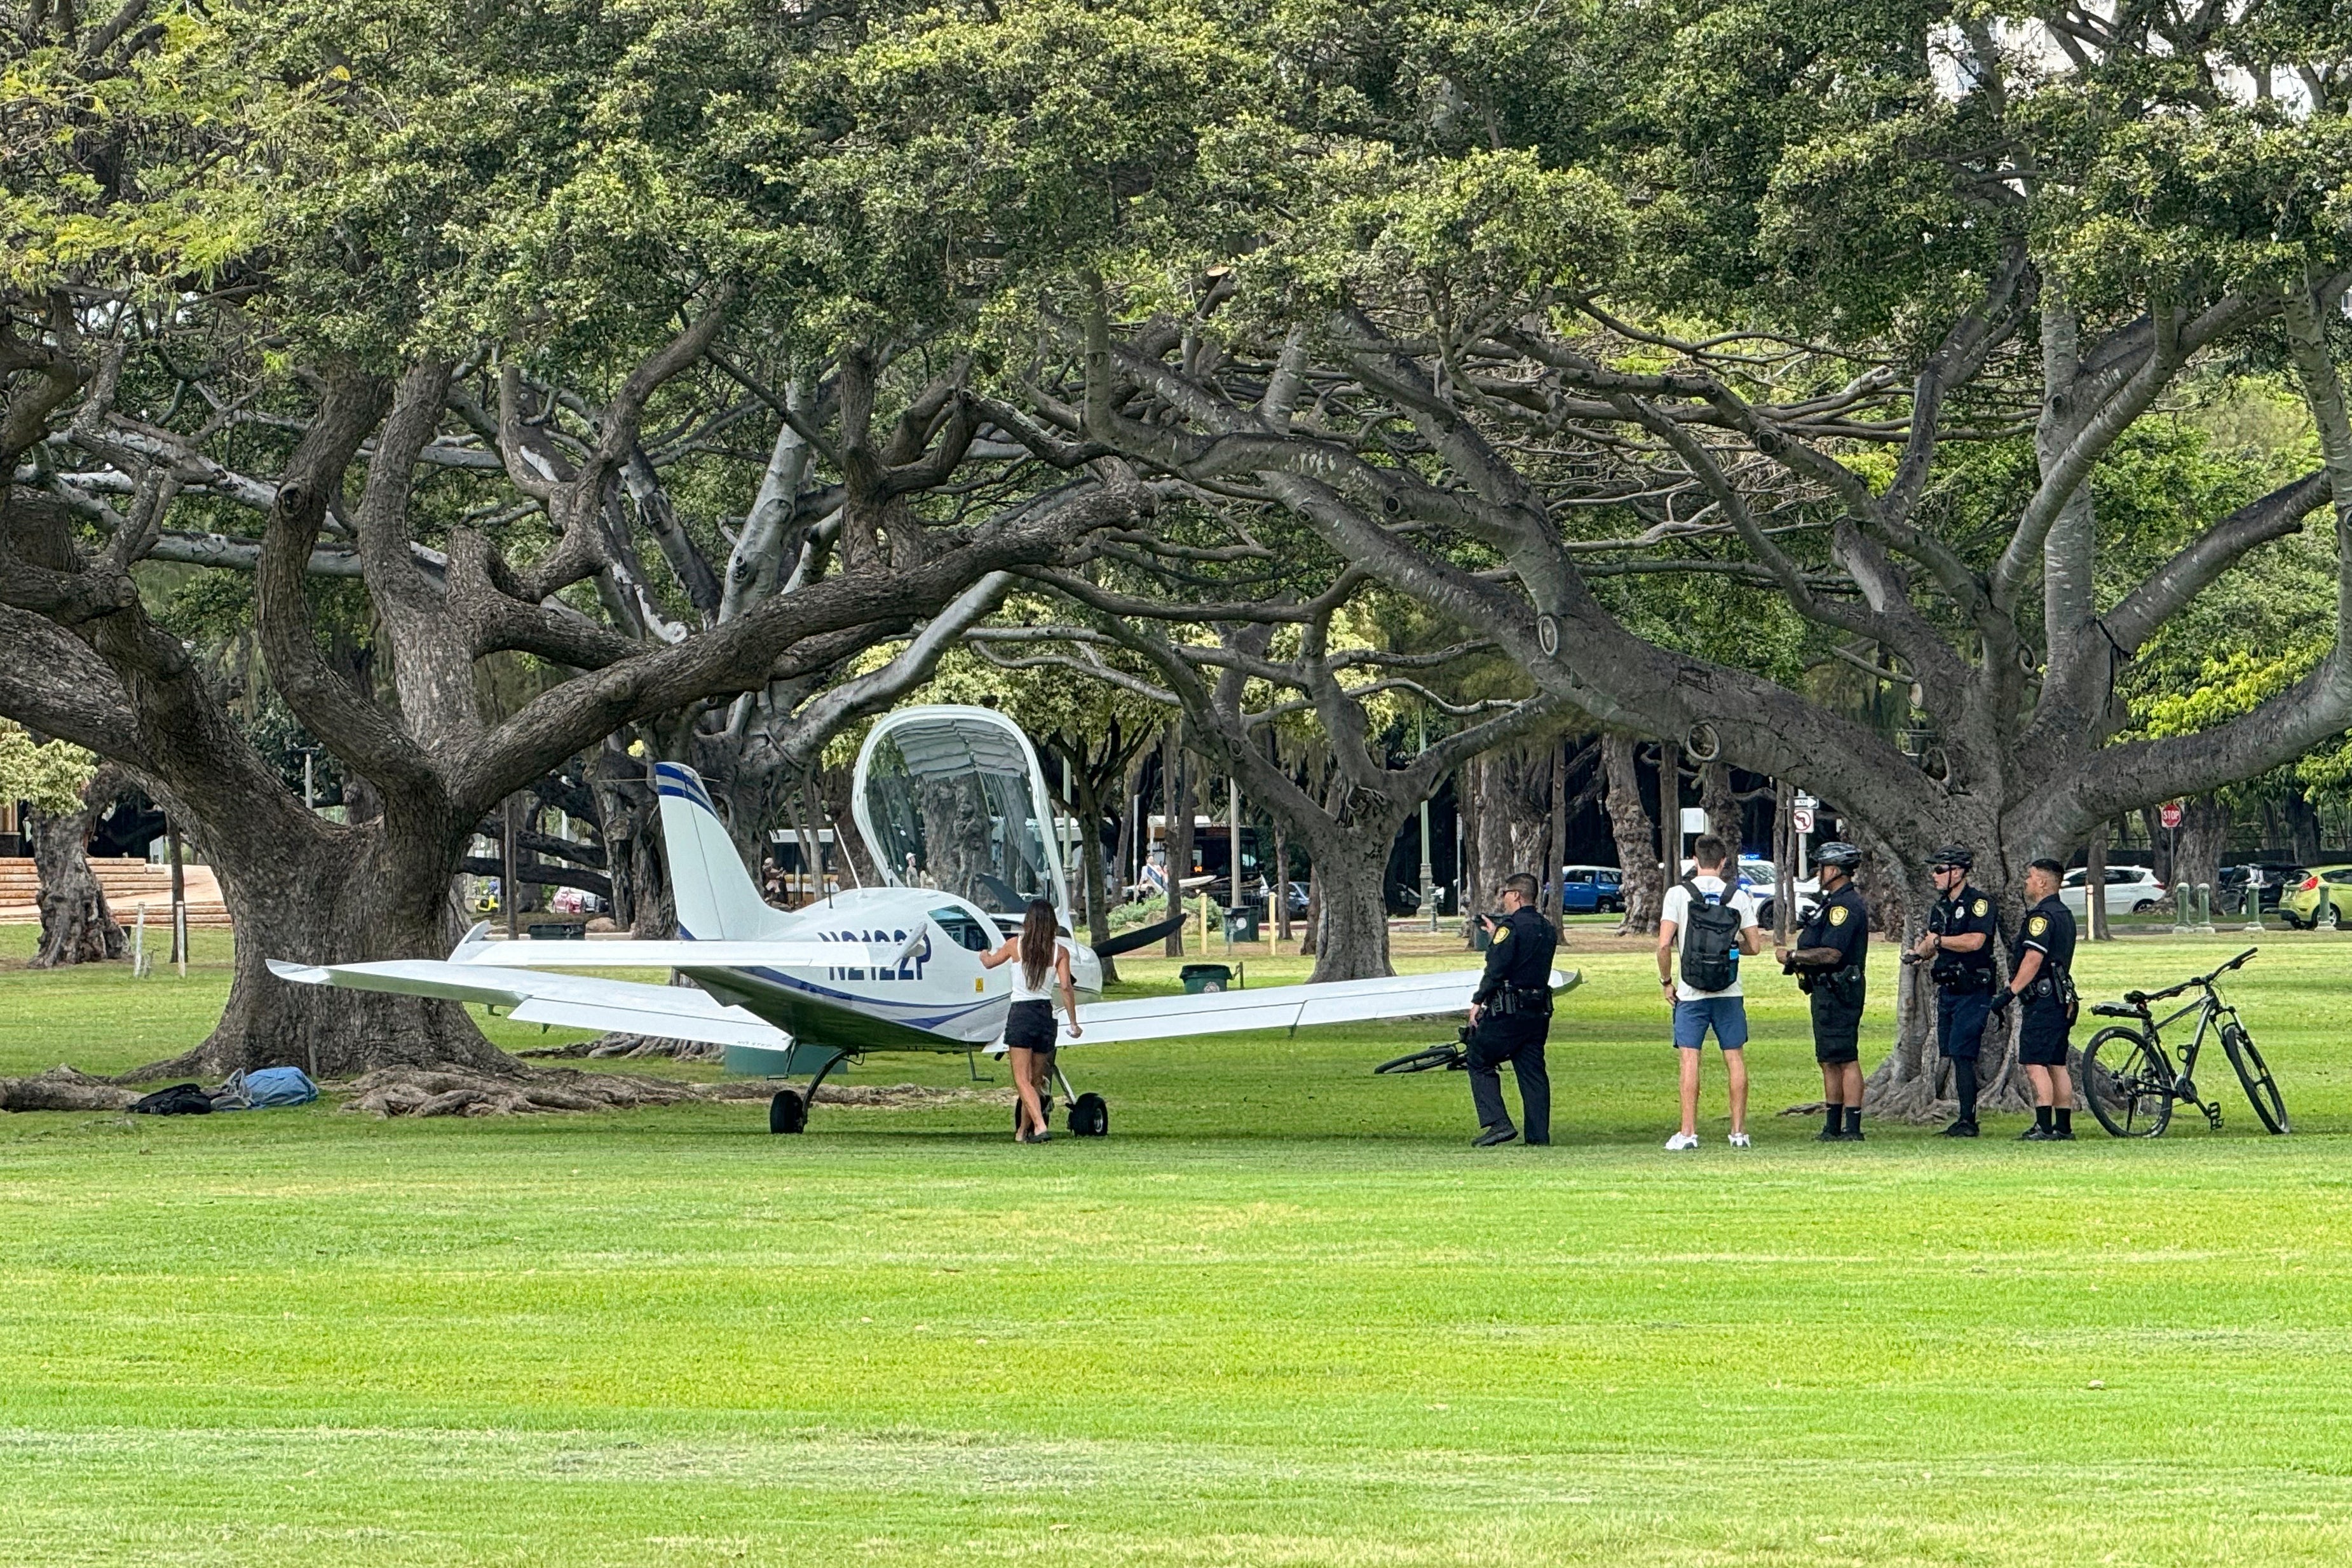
x=179 y=1100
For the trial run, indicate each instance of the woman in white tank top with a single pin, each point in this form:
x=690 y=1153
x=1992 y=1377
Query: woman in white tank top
x=1041 y=965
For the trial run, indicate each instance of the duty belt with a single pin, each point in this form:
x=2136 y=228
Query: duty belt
x=1515 y=1000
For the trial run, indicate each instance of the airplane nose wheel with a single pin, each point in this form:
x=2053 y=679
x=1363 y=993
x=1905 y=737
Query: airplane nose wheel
x=788 y=1112
x=1089 y=1117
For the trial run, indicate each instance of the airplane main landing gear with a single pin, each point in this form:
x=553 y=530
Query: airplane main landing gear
x=1089 y=1116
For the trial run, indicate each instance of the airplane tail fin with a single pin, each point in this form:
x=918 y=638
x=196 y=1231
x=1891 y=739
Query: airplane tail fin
x=716 y=899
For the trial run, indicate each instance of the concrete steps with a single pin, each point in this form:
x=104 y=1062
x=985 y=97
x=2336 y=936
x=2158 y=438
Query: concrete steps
x=128 y=885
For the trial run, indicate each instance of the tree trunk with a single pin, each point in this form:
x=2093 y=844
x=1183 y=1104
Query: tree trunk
x=338 y=895
x=179 y=893
x=1722 y=805
x=77 y=927
x=1282 y=932
x=834 y=786
x=1314 y=911
x=1093 y=895
x=1511 y=819
x=1469 y=801
x=631 y=827
x=1784 y=864
x=1556 y=837
x=2095 y=883
x=1178 y=838
x=2204 y=831
x=1670 y=812
x=2160 y=841
x=1352 y=927
x=1636 y=836
x=2302 y=827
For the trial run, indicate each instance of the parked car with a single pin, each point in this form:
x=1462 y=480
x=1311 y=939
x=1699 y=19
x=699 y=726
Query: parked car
x=2131 y=890
x=2322 y=901
x=1761 y=878
x=2278 y=878
x=1591 y=890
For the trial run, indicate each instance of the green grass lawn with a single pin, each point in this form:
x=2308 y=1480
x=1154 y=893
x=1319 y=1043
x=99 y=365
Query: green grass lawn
x=1283 y=1315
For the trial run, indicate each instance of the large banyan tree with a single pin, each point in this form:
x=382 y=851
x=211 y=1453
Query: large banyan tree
x=1835 y=315
x=510 y=337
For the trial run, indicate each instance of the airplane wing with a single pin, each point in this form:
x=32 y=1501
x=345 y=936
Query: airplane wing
x=1286 y=1007
x=633 y=955
x=565 y=1001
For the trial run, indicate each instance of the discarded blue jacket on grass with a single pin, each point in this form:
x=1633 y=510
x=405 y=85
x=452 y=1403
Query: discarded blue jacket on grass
x=265 y=1087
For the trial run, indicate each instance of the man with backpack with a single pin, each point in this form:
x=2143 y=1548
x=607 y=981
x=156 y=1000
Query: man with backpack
x=1709 y=921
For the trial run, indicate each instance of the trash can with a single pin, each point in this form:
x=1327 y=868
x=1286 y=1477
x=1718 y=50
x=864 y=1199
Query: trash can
x=1199 y=978
x=1241 y=923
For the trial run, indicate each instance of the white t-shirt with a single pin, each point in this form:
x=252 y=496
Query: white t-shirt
x=1023 y=991
x=1678 y=910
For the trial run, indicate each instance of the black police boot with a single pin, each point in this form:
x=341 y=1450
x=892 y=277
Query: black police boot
x=1959 y=1130
x=1492 y=1137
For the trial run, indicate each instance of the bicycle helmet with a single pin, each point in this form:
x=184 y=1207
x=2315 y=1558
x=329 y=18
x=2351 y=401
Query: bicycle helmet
x=1956 y=856
x=1845 y=857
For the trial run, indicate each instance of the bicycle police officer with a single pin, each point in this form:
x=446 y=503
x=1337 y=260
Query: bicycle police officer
x=1961 y=927
x=1510 y=1014
x=1827 y=964
x=2041 y=980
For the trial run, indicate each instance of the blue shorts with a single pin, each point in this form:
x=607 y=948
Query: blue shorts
x=1728 y=1016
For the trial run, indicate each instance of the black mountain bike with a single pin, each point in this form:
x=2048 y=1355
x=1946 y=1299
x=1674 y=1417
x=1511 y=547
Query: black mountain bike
x=2130 y=1081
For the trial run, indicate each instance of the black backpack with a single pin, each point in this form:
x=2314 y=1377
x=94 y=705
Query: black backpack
x=1710 y=940
x=179 y=1100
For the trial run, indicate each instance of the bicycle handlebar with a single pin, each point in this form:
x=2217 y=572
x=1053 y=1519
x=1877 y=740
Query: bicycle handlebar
x=2141 y=999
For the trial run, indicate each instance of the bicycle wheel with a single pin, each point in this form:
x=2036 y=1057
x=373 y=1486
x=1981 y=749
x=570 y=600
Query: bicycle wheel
x=2255 y=1074
x=2127 y=1082
x=1436 y=1058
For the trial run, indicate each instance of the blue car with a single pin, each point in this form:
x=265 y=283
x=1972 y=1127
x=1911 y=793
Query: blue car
x=1591 y=890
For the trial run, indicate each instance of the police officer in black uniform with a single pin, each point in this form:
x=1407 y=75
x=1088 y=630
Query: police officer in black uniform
x=1827 y=964
x=1510 y=1014
x=1958 y=949
x=2042 y=984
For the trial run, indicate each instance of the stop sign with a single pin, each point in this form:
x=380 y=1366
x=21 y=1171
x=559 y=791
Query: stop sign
x=2169 y=814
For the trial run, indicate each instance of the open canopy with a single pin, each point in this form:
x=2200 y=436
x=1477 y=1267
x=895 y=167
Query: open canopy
x=953 y=798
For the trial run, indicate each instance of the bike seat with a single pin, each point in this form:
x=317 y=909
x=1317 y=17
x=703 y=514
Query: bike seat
x=2114 y=1010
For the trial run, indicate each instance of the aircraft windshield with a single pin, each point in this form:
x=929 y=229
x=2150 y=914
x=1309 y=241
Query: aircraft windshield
x=952 y=807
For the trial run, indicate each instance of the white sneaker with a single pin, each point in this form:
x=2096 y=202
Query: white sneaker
x=1739 y=1140
x=1682 y=1141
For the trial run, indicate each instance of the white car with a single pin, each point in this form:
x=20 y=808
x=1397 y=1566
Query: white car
x=2131 y=890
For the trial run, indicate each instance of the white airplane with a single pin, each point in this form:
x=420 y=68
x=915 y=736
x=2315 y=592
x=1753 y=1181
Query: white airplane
x=952 y=803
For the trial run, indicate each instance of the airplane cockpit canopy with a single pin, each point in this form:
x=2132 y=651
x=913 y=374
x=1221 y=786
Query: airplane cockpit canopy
x=952 y=799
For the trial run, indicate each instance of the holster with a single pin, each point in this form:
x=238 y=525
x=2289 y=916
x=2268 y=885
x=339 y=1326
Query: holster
x=1519 y=1001
x=1963 y=980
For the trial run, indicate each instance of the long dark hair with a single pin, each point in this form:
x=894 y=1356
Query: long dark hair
x=1038 y=930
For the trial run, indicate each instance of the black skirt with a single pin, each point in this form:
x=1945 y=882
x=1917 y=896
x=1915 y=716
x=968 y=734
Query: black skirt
x=1030 y=1026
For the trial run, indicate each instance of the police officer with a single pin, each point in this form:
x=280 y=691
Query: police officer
x=1510 y=1014
x=2042 y=984
x=1827 y=964
x=1958 y=949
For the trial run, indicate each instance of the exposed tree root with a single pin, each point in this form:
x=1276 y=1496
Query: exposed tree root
x=63 y=1089
x=634 y=1045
